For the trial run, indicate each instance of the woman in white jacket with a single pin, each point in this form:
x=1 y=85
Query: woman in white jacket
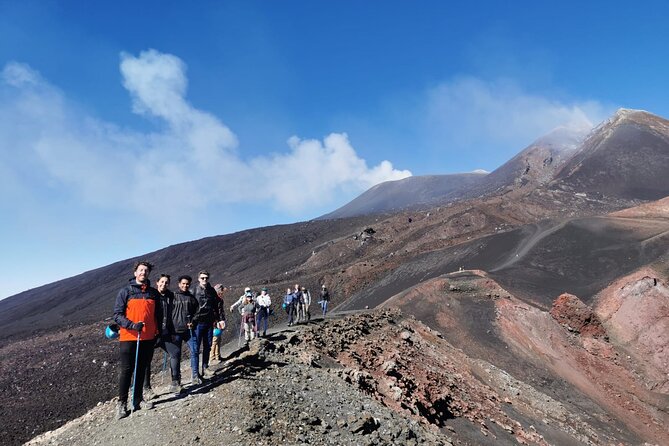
x=306 y=301
x=263 y=301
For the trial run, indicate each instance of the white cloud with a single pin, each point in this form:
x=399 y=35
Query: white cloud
x=468 y=112
x=315 y=170
x=194 y=161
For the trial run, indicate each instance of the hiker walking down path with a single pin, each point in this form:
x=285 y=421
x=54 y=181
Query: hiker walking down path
x=180 y=312
x=263 y=303
x=325 y=300
x=216 y=344
x=203 y=325
x=138 y=312
x=166 y=297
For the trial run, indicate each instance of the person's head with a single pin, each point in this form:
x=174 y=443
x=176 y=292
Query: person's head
x=219 y=288
x=304 y=289
x=323 y=286
x=163 y=283
x=297 y=287
x=289 y=290
x=203 y=278
x=142 y=271
x=263 y=291
x=248 y=299
x=248 y=292
x=184 y=283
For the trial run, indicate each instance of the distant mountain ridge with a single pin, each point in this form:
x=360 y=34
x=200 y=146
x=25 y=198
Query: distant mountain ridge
x=626 y=156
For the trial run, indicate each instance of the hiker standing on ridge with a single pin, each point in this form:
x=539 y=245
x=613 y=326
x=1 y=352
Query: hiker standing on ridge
x=138 y=313
x=325 y=300
x=166 y=297
x=181 y=311
x=205 y=320
x=263 y=303
x=216 y=344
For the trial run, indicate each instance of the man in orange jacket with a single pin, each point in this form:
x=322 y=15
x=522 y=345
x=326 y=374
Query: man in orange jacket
x=138 y=312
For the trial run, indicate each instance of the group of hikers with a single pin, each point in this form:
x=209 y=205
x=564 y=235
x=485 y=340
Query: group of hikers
x=147 y=318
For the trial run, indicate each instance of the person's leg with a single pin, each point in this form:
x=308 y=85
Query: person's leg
x=147 y=377
x=127 y=360
x=207 y=337
x=247 y=330
x=265 y=315
x=145 y=353
x=173 y=348
x=214 y=355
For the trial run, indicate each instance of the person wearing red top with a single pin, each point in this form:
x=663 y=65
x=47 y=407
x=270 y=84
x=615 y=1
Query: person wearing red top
x=138 y=312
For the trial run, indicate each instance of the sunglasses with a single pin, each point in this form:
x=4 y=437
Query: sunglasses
x=204 y=277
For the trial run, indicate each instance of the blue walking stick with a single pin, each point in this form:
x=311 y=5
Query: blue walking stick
x=134 y=374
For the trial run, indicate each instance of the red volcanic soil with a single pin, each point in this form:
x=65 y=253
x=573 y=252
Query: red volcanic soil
x=576 y=316
x=635 y=312
x=601 y=386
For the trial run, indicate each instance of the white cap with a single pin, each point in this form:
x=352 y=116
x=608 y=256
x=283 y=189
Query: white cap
x=247 y=289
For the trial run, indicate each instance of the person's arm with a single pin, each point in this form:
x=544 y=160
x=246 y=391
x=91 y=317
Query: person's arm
x=236 y=304
x=119 y=309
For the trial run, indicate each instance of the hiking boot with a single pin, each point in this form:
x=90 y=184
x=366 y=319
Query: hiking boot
x=146 y=405
x=148 y=394
x=175 y=388
x=195 y=380
x=121 y=410
x=208 y=374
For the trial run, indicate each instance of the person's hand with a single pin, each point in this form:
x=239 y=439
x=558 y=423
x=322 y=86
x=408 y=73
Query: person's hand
x=221 y=325
x=189 y=325
x=137 y=326
x=231 y=309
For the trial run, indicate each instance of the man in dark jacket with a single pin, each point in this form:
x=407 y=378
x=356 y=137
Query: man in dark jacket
x=137 y=311
x=166 y=302
x=205 y=320
x=180 y=310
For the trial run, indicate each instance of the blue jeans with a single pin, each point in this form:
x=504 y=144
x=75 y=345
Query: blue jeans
x=324 y=304
x=203 y=334
x=263 y=314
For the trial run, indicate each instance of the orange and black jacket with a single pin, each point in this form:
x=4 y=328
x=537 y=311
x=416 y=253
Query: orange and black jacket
x=134 y=303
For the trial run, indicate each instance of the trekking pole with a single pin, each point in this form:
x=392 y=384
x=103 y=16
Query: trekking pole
x=134 y=373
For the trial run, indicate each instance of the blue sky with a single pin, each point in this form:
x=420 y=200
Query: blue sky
x=129 y=126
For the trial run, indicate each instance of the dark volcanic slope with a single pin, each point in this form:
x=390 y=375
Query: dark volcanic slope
x=539 y=261
x=409 y=194
x=627 y=156
x=259 y=256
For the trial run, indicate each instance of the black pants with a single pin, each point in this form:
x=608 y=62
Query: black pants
x=127 y=350
x=171 y=345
